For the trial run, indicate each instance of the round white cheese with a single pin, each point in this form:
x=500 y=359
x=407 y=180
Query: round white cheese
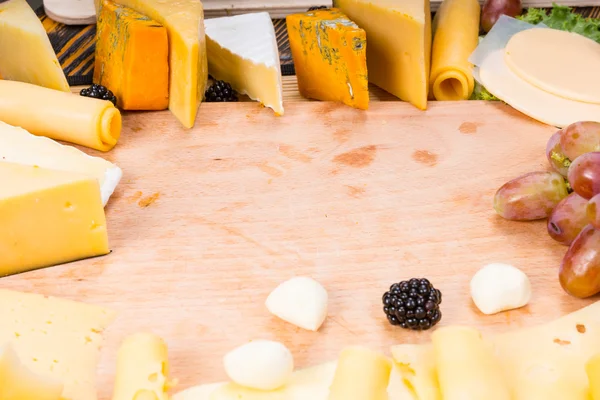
x=499 y=287
x=260 y=364
x=301 y=301
x=563 y=63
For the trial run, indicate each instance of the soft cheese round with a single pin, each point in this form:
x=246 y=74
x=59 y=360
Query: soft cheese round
x=499 y=287
x=260 y=364
x=563 y=63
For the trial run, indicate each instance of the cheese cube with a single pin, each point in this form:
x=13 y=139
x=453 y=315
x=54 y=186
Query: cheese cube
x=48 y=217
x=188 y=66
x=399 y=44
x=58 y=339
x=26 y=54
x=330 y=57
x=132 y=58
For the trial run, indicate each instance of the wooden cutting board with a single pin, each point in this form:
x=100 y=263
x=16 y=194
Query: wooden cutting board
x=207 y=222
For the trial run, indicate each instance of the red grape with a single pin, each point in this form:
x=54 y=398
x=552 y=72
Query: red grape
x=593 y=211
x=560 y=163
x=580 y=138
x=579 y=273
x=568 y=219
x=584 y=175
x=531 y=196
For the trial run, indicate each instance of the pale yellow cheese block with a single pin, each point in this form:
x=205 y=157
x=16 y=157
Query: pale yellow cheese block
x=17 y=382
x=545 y=362
x=142 y=368
x=49 y=217
x=563 y=63
x=26 y=54
x=188 y=66
x=62 y=116
x=456 y=35
x=398 y=44
x=55 y=338
x=539 y=104
x=592 y=368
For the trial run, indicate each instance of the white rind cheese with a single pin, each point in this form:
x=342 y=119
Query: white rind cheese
x=243 y=51
x=21 y=147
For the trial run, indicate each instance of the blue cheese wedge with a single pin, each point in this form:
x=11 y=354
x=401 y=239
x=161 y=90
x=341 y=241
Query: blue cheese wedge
x=21 y=147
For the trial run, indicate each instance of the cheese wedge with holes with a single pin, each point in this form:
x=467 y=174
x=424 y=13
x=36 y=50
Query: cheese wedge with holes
x=188 y=69
x=242 y=50
x=398 y=44
x=57 y=339
x=21 y=147
x=330 y=57
x=48 y=217
x=26 y=54
x=17 y=382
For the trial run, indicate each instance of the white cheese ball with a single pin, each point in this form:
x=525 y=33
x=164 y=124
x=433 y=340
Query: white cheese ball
x=301 y=301
x=260 y=364
x=499 y=287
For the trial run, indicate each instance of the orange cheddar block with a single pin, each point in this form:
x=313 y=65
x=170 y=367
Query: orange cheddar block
x=132 y=58
x=330 y=57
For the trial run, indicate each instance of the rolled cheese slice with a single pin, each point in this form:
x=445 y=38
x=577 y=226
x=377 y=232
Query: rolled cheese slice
x=456 y=27
x=592 y=369
x=142 y=369
x=466 y=366
x=562 y=63
x=361 y=374
x=21 y=147
x=59 y=115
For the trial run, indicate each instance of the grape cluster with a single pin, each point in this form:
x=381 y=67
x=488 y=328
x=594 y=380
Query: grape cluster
x=569 y=197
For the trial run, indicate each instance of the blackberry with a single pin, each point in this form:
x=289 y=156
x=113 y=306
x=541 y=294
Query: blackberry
x=413 y=304
x=99 y=92
x=220 y=91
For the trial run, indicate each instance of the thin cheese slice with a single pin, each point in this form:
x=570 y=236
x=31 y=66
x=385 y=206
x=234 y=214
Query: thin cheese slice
x=188 y=68
x=539 y=104
x=242 y=50
x=563 y=63
x=26 y=54
x=58 y=115
x=55 y=338
x=21 y=147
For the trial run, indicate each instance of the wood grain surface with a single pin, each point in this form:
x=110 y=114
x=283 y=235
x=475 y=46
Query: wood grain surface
x=207 y=222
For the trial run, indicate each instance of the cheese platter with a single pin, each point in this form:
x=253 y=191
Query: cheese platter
x=194 y=225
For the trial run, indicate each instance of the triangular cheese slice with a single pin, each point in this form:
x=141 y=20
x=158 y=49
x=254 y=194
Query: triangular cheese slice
x=242 y=50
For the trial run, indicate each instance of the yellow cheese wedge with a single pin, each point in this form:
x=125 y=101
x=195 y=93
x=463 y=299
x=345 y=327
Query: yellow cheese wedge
x=456 y=35
x=21 y=147
x=142 y=369
x=188 y=67
x=361 y=374
x=48 y=217
x=17 y=382
x=55 y=338
x=466 y=367
x=26 y=54
x=563 y=63
x=592 y=368
x=63 y=116
x=415 y=365
x=398 y=44
x=242 y=50
x=330 y=57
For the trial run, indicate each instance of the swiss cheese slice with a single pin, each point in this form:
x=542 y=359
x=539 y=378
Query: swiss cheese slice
x=539 y=104
x=242 y=50
x=55 y=338
x=21 y=147
x=398 y=44
x=26 y=54
x=563 y=63
x=188 y=69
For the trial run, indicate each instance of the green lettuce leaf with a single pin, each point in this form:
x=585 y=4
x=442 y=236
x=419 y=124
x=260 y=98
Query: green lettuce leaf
x=563 y=18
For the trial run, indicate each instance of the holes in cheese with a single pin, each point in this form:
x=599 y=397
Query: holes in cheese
x=456 y=27
x=330 y=57
x=58 y=115
x=132 y=58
